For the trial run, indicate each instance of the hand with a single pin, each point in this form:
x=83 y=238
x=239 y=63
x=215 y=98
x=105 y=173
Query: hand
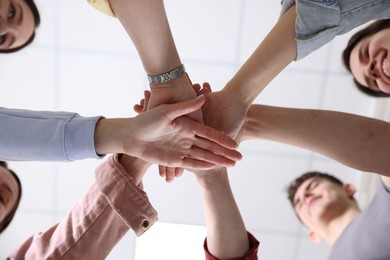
x=222 y=110
x=175 y=91
x=171 y=92
x=169 y=173
x=164 y=136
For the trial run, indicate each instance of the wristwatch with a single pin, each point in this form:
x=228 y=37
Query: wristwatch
x=167 y=76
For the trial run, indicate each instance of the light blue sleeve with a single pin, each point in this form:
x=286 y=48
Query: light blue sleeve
x=319 y=21
x=46 y=136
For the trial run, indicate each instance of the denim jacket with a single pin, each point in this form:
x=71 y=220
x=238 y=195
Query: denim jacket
x=319 y=21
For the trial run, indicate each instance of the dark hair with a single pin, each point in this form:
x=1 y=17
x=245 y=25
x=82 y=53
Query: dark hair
x=37 y=22
x=295 y=184
x=372 y=29
x=7 y=220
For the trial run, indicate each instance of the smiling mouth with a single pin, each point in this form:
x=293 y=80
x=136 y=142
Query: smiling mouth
x=384 y=68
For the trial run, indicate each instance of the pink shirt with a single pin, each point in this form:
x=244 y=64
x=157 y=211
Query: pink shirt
x=112 y=206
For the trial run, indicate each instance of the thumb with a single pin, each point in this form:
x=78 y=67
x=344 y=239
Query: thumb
x=173 y=111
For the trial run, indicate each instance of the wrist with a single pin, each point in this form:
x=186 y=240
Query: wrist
x=177 y=90
x=209 y=178
x=249 y=126
x=134 y=167
x=241 y=95
x=167 y=76
x=257 y=122
x=106 y=139
x=179 y=81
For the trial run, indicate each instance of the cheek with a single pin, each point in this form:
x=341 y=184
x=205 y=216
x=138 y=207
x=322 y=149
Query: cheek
x=381 y=40
x=356 y=66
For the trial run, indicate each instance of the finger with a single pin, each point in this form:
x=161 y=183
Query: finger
x=217 y=149
x=170 y=176
x=214 y=135
x=179 y=172
x=207 y=156
x=173 y=111
x=206 y=89
x=203 y=91
x=138 y=108
x=196 y=87
x=162 y=171
x=207 y=86
x=147 y=95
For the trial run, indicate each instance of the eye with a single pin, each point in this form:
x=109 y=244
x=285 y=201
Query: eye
x=5 y=197
x=366 y=53
x=11 y=12
x=312 y=185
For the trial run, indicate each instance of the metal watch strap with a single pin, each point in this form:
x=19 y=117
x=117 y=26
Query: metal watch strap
x=167 y=76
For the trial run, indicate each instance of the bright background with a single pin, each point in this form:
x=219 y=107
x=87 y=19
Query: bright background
x=83 y=61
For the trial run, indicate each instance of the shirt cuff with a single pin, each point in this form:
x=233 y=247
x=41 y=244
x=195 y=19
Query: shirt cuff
x=79 y=138
x=127 y=199
x=250 y=255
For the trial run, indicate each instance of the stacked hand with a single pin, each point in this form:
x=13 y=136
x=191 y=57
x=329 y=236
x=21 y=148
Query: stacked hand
x=222 y=110
x=171 y=92
x=216 y=105
x=172 y=139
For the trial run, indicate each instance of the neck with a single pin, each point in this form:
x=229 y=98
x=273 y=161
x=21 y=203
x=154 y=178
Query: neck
x=336 y=226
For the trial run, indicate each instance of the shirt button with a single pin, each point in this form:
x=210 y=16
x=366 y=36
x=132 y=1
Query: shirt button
x=145 y=223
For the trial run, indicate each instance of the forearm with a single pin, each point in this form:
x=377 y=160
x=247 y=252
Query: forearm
x=275 y=52
x=46 y=136
x=359 y=142
x=226 y=233
x=147 y=25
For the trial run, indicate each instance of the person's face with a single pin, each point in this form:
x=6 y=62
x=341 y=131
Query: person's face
x=16 y=23
x=9 y=191
x=317 y=201
x=370 y=61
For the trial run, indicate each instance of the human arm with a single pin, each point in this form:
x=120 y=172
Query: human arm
x=274 y=53
x=146 y=23
x=226 y=233
x=113 y=205
x=166 y=137
x=64 y=136
x=356 y=141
